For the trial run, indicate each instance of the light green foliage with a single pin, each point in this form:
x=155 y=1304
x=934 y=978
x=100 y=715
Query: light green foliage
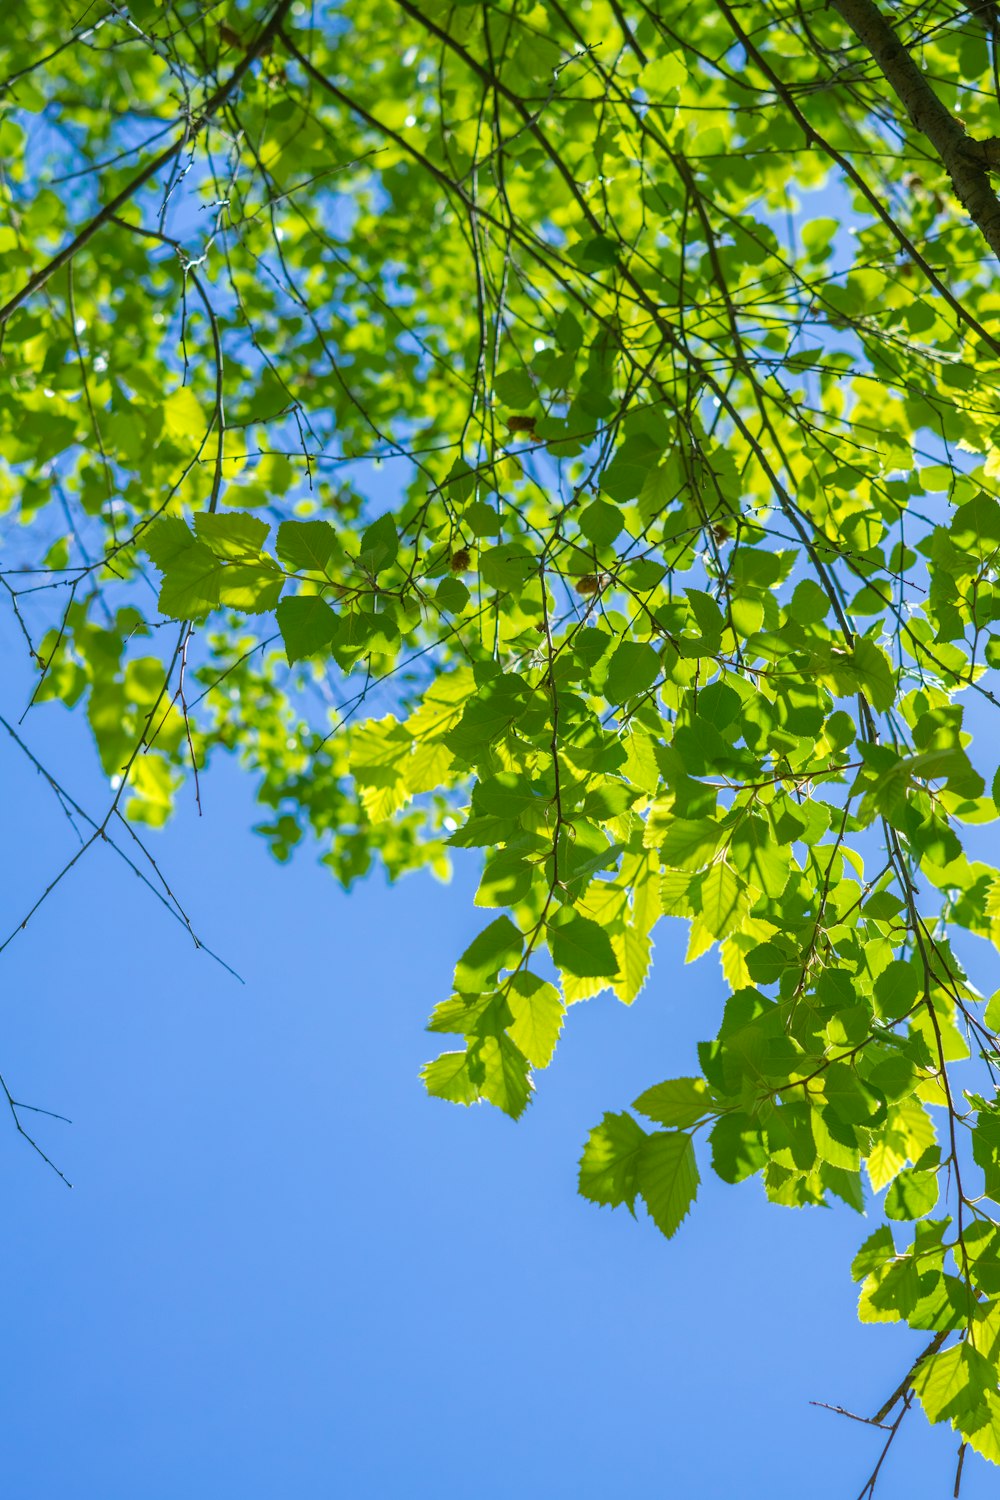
x=565 y=433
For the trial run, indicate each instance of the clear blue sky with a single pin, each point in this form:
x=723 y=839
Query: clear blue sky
x=283 y=1271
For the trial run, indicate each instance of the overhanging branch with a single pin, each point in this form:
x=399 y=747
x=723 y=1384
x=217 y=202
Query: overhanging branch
x=967 y=161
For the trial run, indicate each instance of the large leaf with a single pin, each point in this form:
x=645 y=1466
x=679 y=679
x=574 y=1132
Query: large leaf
x=580 y=946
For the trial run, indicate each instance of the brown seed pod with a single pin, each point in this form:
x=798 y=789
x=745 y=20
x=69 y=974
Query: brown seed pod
x=588 y=584
x=521 y=424
x=460 y=560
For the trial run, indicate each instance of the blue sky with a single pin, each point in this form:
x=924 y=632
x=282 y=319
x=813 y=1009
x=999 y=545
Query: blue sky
x=283 y=1271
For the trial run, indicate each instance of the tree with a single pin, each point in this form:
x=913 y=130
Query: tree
x=565 y=431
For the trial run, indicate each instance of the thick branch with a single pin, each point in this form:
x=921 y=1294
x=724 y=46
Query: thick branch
x=191 y=130
x=964 y=159
x=846 y=165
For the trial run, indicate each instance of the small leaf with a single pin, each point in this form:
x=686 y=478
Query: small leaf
x=876 y=1251
x=538 y=1013
x=379 y=546
x=633 y=950
x=505 y=567
x=183 y=417
x=875 y=675
x=678 y=1101
x=506 y=1082
x=992 y=1016
x=514 y=388
x=738 y=1149
x=667 y=1176
x=724 y=899
x=608 y=1163
x=448 y=1077
x=718 y=704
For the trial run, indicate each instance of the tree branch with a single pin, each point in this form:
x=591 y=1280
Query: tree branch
x=191 y=129
x=966 y=161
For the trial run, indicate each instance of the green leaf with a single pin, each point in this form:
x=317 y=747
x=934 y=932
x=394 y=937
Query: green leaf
x=191 y=583
x=580 y=946
x=448 y=1077
x=308 y=625
x=874 y=674
x=515 y=389
x=981 y=1428
x=505 y=1082
x=601 y=523
x=911 y=1195
x=601 y=251
x=707 y=613
x=626 y=474
x=608 y=1166
x=975 y=529
x=896 y=989
x=506 y=880
x=718 y=704
x=451 y=595
x=307 y=546
x=952 y=1383
x=723 y=899
x=485 y=717
x=667 y=1178
x=992 y=1014
x=758 y=856
x=883 y=906
x=379 y=546
x=877 y=1250
x=471 y=1015
x=634 y=667
x=846 y=1095
x=677 y=1102
x=234 y=536
x=538 y=1013
x=165 y=539
x=633 y=950
x=738 y=1149
x=183 y=417
x=252 y=588
x=497 y=947
x=506 y=567
x=690 y=843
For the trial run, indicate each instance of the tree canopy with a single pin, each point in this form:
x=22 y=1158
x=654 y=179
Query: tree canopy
x=563 y=430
